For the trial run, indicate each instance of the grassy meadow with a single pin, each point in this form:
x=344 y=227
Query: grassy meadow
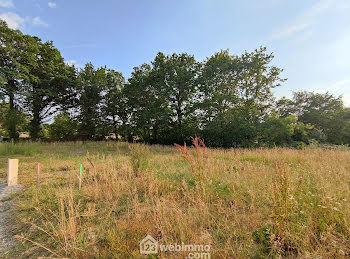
x=259 y=203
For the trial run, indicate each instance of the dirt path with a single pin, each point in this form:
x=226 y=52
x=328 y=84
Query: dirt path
x=6 y=239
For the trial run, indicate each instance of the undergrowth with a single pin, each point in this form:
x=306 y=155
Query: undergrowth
x=262 y=203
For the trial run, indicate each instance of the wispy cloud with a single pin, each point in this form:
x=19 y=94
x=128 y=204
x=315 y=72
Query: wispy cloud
x=51 y=4
x=341 y=87
x=71 y=62
x=37 y=21
x=289 y=30
x=307 y=18
x=37 y=5
x=6 y=3
x=13 y=20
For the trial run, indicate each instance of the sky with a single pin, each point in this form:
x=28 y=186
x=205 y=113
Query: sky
x=309 y=38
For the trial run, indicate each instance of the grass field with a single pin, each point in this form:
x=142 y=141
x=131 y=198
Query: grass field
x=244 y=203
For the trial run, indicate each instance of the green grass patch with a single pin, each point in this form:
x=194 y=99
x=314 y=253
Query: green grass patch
x=24 y=149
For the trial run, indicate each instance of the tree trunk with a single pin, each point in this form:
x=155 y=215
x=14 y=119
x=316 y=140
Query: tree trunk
x=12 y=120
x=115 y=130
x=35 y=123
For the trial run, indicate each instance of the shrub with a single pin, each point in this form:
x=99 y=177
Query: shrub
x=298 y=145
x=63 y=128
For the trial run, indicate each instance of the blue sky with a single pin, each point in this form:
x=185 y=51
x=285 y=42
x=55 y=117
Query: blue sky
x=310 y=38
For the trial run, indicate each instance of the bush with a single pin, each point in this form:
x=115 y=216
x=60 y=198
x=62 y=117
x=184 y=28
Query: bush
x=63 y=128
x=298 y=145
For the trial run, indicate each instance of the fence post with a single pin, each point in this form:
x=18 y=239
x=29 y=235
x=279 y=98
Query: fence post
x=12 y=172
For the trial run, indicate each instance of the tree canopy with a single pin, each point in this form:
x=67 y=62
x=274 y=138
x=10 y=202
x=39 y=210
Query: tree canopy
x=226 y=99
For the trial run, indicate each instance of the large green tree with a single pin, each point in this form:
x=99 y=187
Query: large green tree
x=50 y=85
x=91 y=90
x=114 y=108
x=325 y=111
x=63 y=128
x=146 y=106
x=17 y=55
x=161 y=98
x=227 y=99
x=236 y=95
x=176 y=78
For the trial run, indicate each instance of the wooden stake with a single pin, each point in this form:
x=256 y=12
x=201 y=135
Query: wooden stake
x=12 y=172
x=37 y=174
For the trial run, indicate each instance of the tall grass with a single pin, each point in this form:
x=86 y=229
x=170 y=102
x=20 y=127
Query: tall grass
x=195 y=158
x=139 y=157
x=26 y=149
x=279 y=203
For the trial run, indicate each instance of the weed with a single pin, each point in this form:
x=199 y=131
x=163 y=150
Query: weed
x=195 y=160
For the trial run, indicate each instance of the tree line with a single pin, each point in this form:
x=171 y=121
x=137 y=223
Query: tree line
x=225 y=99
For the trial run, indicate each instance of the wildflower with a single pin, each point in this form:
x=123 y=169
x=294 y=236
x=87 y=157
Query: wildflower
x=291 y=197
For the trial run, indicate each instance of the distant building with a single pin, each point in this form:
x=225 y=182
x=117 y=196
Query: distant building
x=24 y=135
x=113 y=136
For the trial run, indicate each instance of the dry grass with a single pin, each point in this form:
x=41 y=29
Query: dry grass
x=246 y=203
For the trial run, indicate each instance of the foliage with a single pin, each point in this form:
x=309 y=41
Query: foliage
x=324 y=111
x=226 y=99
x=12 y=122
x=284 y=131
x=114 y=107
x=91 y=86
x=161 y=98
x=49 y=85
x=63 y=128
x=17 y=54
